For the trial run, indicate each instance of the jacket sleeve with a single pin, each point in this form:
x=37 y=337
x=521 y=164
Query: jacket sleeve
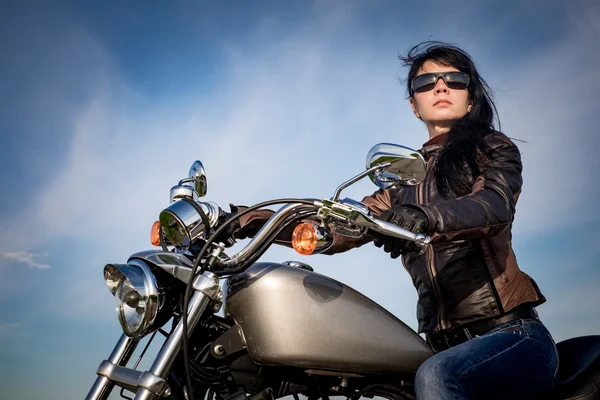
x=490 y=207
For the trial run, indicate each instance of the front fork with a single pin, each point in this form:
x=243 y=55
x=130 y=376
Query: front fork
x=152 y=384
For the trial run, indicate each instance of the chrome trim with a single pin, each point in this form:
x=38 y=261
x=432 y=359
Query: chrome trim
x=179 y=191
x=198 y=175
x=188 y=221
x=298 y=264
x=208 y=284
x=143 y=280
x=164 y=360
x=405 y=166
x=132 y=379
x=357 y=178
x=267 y=230
x=175 y=264
x=119 y=356
x=387 y=228
x=351 y=213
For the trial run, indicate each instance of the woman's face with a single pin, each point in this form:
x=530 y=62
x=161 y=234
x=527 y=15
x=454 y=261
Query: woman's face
x=440 y=107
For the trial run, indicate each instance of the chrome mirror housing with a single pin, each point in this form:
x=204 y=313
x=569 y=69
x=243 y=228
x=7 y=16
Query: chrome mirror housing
x=197 y=175
x=406 y=166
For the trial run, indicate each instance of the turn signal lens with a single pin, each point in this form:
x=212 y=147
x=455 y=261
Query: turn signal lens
x=155 y=234
x=304 y=238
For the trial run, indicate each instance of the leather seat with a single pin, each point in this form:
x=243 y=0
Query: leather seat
x=579 y=369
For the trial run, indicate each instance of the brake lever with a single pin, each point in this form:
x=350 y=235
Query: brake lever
x=352 y=212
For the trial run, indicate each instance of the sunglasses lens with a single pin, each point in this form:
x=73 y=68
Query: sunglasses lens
x=456 y=80
x=424 y=83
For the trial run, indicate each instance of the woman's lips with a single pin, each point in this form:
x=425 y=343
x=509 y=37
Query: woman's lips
x=442 y=102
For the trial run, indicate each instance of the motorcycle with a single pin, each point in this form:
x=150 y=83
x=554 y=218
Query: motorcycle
x=285 y=330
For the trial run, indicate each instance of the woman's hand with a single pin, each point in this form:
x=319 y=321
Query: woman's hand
x=407 y=217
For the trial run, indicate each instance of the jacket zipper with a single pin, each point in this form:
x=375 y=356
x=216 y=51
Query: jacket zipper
x=429 y=260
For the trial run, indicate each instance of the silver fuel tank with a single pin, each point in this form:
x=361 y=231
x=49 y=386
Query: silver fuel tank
x=294 y=317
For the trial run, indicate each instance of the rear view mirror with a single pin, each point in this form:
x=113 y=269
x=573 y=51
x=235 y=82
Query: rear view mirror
x=197 y=175
x=406 y=166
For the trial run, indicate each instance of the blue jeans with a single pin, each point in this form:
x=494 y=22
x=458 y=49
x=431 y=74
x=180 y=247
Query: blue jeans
x=515 y=360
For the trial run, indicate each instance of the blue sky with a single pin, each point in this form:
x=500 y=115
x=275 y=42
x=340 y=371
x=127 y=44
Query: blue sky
x=105 y=106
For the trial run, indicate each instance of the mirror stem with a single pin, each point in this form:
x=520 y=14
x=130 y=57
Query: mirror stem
x=338 y=191
x=186 y=180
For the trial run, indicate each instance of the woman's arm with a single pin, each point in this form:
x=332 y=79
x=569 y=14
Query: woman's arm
x=489 y=208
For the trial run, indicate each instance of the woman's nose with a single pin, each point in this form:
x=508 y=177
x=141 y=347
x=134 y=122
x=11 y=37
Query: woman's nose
x=440 y=86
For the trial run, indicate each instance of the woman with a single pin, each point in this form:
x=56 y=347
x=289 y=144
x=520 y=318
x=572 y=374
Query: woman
x=475 y=305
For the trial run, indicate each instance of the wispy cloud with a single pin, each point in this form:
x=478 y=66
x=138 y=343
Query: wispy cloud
x=22 y=257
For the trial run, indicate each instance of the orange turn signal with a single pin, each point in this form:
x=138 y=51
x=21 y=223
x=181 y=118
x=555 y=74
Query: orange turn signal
x=155 y=234
x=304 y=238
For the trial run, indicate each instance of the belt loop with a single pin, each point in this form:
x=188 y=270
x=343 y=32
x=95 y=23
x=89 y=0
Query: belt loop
x=467 y=333
x=446 y=340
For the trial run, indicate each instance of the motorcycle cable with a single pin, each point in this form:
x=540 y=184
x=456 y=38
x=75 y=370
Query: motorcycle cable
x=196 y=265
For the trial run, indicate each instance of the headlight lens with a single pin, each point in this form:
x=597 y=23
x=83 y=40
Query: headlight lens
x=136 y=295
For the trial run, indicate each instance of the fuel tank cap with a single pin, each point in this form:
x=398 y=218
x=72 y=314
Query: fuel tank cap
x=299 y=264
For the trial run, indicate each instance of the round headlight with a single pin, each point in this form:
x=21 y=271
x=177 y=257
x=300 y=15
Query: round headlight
x=136 y=295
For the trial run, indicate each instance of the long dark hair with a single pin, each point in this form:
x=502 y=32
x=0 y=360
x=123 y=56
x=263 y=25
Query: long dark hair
x=460 y=160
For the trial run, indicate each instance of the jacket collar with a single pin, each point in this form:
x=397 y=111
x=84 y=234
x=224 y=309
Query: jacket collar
x=434 y=144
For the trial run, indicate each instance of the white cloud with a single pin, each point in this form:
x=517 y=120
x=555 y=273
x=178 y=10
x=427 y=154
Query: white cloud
x=27 y=258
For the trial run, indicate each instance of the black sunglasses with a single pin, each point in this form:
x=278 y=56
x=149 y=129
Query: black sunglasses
x=426 y=82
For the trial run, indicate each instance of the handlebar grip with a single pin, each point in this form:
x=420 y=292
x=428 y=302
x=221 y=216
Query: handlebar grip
x=387 y=228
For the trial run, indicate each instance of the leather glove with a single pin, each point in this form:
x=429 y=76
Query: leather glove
x=233 y=230
x=407 y=217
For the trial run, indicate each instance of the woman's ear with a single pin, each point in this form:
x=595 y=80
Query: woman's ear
x=413 y=105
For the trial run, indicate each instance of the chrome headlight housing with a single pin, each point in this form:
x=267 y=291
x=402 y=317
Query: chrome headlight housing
x=136 y=295
x=181 y=222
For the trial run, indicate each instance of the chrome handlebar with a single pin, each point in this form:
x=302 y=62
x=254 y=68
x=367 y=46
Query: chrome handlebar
x=347 y=212
x=266 y=231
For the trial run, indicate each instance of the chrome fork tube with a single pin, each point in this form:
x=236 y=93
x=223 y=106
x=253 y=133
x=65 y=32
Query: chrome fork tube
x=164 y=360
x=119 y=356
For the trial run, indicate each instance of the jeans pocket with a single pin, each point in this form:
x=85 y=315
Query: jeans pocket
x=512 y=326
